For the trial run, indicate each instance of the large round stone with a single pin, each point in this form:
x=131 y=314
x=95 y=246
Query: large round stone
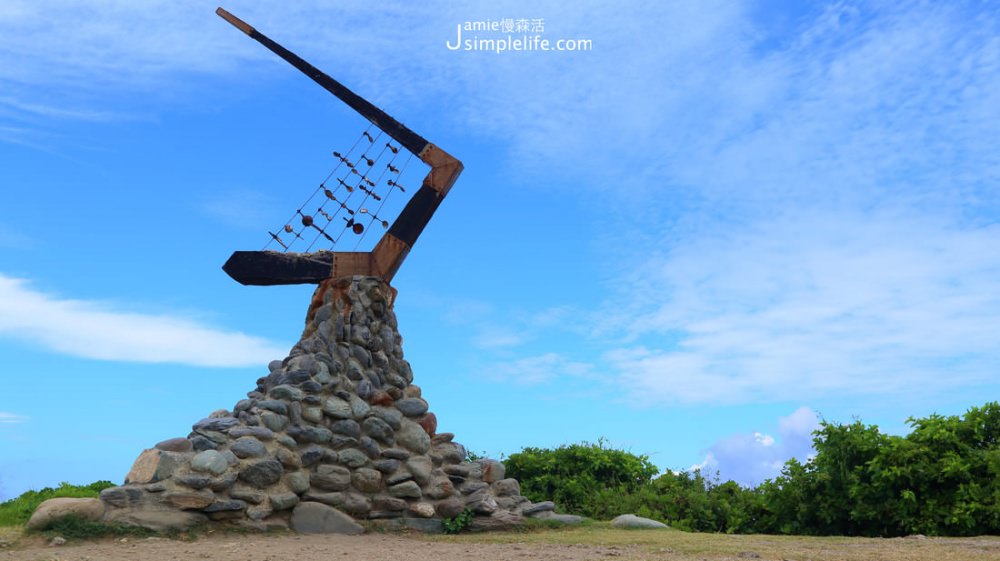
x=273 y=421
x=284 y=501
x=318 y=518
x=312 y=414
x=405 y=490
x=412 y=406
x=413 y=437
x=180 y=444
x=352 y=457
x=337 y=408
x=420 y=467
x=247 y=447
x=358 y=407
x=53 y=510
x=209 y=461
x=331 y=478
x=262 y=473
x=367 y=480
x=347 y=427
x=189 y=499
x=429 y=423
x=297 y=481
x=287 y=393
x=278 y=406
x=378 y=429
x=391 y=416
x=261 y=433
x=364 y=389
x=318 y=435
x=440 y=488
x=386 y=466
x=507 y=488
x=450 y=508
x=217 y=424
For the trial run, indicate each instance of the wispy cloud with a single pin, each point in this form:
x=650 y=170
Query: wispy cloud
x=533 y=370
x=492 y=337
x=241 y=208
x=753 y=457
x=11 y=418
x=10 y=104
x=99 y=331
x=830 y=233
x=811 y=306
x=807 y=217
x=10 y=238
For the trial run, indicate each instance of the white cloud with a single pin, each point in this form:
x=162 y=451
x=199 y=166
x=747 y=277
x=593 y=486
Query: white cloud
x=98 y=331
x=11 y=418
x=811 y=217
x=538 y=369
x=751 y=171
x=492 y=337
x=833 y=233
x=814 y=305
x=497 y=328
x=107 y=49
x=9 y=104
x=751 y=458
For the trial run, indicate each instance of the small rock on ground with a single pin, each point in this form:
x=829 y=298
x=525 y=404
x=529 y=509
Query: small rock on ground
x=633 y=521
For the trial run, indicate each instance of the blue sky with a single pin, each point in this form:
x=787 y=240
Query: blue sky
x=725 y=220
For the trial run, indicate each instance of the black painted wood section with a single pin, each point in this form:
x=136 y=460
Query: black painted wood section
x=409 y=139
x=269 y=268
x=416 y=215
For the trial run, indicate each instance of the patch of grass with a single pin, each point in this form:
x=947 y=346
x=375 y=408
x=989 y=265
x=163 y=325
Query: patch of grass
x=76 y=527
x=17 y=511
x=677 y=544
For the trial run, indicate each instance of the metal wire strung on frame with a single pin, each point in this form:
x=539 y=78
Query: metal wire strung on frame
x=353 y=182
x=375 y=216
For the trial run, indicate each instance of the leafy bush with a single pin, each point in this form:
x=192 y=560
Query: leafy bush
x=941 y=479
x=574 y=476
x=687 y=501
x=17 y=511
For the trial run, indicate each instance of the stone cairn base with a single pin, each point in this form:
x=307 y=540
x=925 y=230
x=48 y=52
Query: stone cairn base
x=337 y=433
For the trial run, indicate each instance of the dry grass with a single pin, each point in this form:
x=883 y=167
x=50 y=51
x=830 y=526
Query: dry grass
x=676 y=545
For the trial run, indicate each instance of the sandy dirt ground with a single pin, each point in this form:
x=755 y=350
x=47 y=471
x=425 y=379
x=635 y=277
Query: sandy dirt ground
x=368 y=547
x=671 y=546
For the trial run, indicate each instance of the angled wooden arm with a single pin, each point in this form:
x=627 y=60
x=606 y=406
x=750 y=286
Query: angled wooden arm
x=266 y=268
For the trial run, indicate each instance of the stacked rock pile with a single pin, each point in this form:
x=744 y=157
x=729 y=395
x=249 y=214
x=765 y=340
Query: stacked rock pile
x=336 y=433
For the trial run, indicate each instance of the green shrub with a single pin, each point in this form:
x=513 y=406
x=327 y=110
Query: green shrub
x=575 y=476
x=941 y=479
x=18 y=510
